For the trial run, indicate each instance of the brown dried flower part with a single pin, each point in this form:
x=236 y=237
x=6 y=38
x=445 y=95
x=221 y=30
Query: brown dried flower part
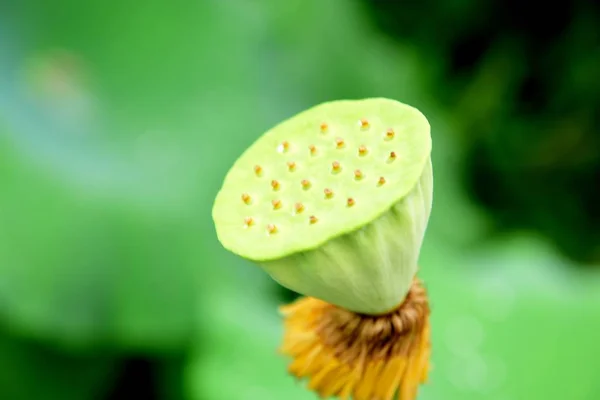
x=349 y=355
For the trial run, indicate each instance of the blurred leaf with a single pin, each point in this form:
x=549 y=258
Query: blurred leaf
x=237 y=358
x=515 y=323
x=79 y=267
x=31 y=370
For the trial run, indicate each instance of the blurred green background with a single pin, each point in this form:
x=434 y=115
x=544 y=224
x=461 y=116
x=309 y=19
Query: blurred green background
x=119 y=119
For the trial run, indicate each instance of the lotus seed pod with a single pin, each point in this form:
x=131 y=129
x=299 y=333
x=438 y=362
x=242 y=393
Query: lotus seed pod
x=345 y=224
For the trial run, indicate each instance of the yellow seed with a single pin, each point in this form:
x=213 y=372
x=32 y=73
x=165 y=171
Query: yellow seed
x=336 y=167
x=299 y=207
x=258 y=170
x=276 y=204
x=312 y=219
x=291 y=165
x=271 y=229
x=324 y=127
x=381 y=181
x=392 y=156
x=364 y=124
x=350 y=202
x=246 y=198
x=248 y=221
x=358 y=175
x=283 y=147
x=339 y=143
x=328 y=193
x=275 y=185
x=313 y=149
x=362 y=151
x=305 y=184
x=389 y=135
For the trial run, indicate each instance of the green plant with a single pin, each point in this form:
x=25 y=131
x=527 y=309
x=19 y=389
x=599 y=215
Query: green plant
x=333 y=203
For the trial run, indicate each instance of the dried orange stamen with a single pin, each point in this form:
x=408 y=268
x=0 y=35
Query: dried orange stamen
x=344 y=354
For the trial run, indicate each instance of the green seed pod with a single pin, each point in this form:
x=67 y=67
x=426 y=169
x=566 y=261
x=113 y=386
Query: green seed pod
x=333 y=203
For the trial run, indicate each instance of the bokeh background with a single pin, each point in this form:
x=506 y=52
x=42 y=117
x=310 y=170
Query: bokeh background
x=119 y=119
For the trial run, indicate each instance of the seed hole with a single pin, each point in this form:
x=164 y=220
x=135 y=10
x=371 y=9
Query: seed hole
x=258 y=170
x=298 y=208
x=328 y=193
x=313 y=149
x=324 y=127
x=350 y=202
x=313 y=220
x=362 y=151
x=248 y=222
x=291 y=166
x=283 y=147
x=276 y=204
x=246 y=198
x=389 y=135
x=272 y=229
x=358 y=175
x=275 y=185
x=381 y=181
x=364 y=124
x=336 y=167
x=305 y=184
x=339 y=143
